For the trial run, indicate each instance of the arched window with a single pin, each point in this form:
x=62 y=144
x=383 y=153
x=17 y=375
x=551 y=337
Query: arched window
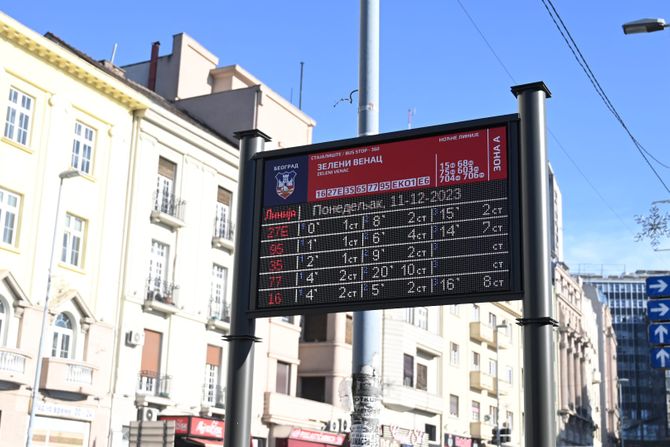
x=63 y=337
x=3 y=321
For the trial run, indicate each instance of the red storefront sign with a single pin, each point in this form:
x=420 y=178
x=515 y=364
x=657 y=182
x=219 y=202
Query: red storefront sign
x=317 y=436
x=197 y=426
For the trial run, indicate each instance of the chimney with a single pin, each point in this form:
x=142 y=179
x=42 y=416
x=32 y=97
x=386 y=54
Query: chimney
x=153 y=65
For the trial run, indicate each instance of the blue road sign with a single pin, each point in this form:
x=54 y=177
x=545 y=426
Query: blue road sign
x=659 y=334
x=658 y=310
x=660 y=357
x=658 y=286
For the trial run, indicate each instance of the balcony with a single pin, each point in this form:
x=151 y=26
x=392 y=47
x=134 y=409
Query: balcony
x=219 y=315
x=13 y=366
x=69 y=376
x=152 y=383
x=160 y=296
x=214 y=397
x=406 y=398
x=167 y=210
x=223 y=234
x=481 y=430
x=481 y=381
x=482 y=332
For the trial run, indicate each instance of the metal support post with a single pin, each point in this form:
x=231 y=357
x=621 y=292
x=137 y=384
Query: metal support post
x=366 y=351
x=537 y=321
x=242 y=328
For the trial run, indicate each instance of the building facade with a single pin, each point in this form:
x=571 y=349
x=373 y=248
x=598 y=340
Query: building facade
x=643 y=389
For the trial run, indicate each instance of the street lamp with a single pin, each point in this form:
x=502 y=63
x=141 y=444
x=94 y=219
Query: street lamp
x=34 y=395
x=619 y=381
x=644 y=26
x=498 y=326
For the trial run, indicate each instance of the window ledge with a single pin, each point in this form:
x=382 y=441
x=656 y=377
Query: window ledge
x=216 y=324
x=19 y=146
x=10 y=248
x=159 y=306
x=223 y=244
x=172 y=222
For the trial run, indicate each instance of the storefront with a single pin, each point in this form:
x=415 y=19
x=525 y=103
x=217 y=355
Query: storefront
x=461 y=441
x=195 y=431
x=302 y=437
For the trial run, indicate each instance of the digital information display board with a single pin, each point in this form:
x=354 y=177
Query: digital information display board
x=422 y=217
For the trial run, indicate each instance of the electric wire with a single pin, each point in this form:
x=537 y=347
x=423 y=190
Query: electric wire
x=567 y=37
x=558 y=143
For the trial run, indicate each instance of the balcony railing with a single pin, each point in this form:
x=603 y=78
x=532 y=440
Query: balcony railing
x=12 y=362
x=161 y=291
x=223 y=228
x=219 y=310
x=166 y=202
x=79 y=374
x=151 y=382
x=214 y=396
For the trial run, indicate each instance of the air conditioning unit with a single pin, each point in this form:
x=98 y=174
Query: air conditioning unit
x=135 y=338
x=148 y=414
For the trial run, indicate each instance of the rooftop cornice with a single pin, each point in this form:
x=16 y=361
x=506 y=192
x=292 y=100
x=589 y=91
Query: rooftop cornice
x=65 y=60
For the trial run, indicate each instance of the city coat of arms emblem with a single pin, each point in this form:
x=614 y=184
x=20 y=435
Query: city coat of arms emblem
x=285 y=183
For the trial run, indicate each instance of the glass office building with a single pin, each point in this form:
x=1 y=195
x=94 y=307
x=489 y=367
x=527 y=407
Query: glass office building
x=644 y=408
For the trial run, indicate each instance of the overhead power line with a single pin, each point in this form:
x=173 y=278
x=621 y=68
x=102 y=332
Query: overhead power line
x=581 y=60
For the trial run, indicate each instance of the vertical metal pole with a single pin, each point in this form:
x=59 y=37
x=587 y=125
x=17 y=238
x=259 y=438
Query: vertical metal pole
x=241 y=340
x=302 y=66
x=497 y=387
x=366 y=353
x=537 y=321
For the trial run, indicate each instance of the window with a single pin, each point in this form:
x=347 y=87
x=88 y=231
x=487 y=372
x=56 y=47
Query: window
x=476 y=411
x=165 y=199
x=63 y=335
x=510 y=420
x=82 y=147
x=158 y=262
x=475 y=312
x=453 y=309
x=19 y=115
x=313 y=388
x=315 y=327
x=349 y=330
x=73 y=241
x=493 y=367
x=223 y=224
x=476 y=361
x=431 y=431
x=213 y=394
x=493 y=320
x=493 y=415
x=9 y=210
x=150 y=380
x=507 y=374
x=3 y=321
x=283 y=384
x=219 y=307
x=453 y=354
x=421 y=377
x=408 y=370
x=421 y=317
x=453 y=405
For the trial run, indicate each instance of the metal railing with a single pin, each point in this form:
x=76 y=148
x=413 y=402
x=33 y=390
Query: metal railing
x=166 y=202
x=219 y=310
x=214 y=396
x=79 y=374
x=223 y=228
x=153 y=383
x=12 y=362
x=160 y=290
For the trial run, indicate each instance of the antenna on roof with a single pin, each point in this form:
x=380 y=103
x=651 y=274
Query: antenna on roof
x=116 y=45
x=410 y=113
x=302 y=65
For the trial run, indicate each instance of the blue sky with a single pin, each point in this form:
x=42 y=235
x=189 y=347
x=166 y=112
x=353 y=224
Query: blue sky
x=435 y=61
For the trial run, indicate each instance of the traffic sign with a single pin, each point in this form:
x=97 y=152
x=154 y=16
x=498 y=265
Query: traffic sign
x=659 y=333
x=658 y=286
x=660 y=357
x=658 y=310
